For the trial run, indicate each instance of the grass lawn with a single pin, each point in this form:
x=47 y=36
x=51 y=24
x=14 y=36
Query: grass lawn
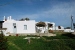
x=44 y=43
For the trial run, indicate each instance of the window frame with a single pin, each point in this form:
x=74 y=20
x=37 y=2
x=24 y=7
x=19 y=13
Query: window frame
x=14 y=24
x=25 y=27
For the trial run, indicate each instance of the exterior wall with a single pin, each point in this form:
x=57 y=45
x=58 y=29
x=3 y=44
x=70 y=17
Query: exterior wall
x=52 y=28
x=62 y=28
x=45 y=29
x=68 y=30
x=42 y=29
x=20 y=26
x=30 y=26
x=9 y=26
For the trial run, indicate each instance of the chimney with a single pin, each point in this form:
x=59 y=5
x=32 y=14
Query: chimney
x=7 y=18
x=10 y=17
x=4 y=18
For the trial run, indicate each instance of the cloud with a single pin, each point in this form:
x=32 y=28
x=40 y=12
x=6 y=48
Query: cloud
x=62 y=10
x=32 y=1
x=59 y=13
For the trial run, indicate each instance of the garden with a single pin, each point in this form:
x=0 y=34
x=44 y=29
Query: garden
x=60 y=42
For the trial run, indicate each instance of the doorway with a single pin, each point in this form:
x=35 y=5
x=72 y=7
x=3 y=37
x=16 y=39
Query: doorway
x=14 y=28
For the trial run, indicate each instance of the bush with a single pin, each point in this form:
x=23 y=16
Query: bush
x=32 y=36
x=68 y=35
x=3 y=42
x=56 y=37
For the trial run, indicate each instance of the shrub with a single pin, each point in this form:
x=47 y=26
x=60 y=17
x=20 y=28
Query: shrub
x=68 y=35
x=32 y=36
x=3 y=42
x=56 y=37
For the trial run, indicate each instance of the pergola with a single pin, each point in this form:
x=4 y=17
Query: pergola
x=40 y=24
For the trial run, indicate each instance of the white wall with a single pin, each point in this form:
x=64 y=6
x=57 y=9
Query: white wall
x=30 y=26
x=68 y=30
x=20 y=26
x=9 y=26
x=41 y=28
x=46 y=27
x=62 y=28
x=53 y=28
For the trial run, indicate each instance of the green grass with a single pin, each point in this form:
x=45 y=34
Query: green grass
x=44 y=43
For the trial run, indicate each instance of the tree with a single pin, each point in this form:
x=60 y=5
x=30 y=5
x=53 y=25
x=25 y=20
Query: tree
x=27 y=19
x=23 y=19
x=68 y=28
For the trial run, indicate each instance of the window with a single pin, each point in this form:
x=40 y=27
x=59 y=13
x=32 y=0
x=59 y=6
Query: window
x=50 y=25
x=25 y=27
x=14 y=24
x=59 y=27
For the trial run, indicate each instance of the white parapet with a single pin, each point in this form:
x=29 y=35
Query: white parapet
x=68 y=30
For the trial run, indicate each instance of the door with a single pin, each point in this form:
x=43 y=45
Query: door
x=14 y=28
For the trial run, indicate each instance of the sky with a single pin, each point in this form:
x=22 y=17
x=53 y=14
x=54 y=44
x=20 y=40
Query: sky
x=57 y=11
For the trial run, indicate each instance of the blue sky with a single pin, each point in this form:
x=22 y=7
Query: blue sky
x=58 y=11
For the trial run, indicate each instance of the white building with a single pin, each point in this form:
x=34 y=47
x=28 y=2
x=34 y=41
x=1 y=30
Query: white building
x=68 y=30
x=48 y=26
x=59 y=28
x=18 y=27
x=29 y=27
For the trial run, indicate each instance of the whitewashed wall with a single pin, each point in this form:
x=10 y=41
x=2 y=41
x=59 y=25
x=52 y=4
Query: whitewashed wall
x=20 y=26
x=30 y=26
x=68 y=30
x=9 y=26
x=62 y=28
x=45 y=29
